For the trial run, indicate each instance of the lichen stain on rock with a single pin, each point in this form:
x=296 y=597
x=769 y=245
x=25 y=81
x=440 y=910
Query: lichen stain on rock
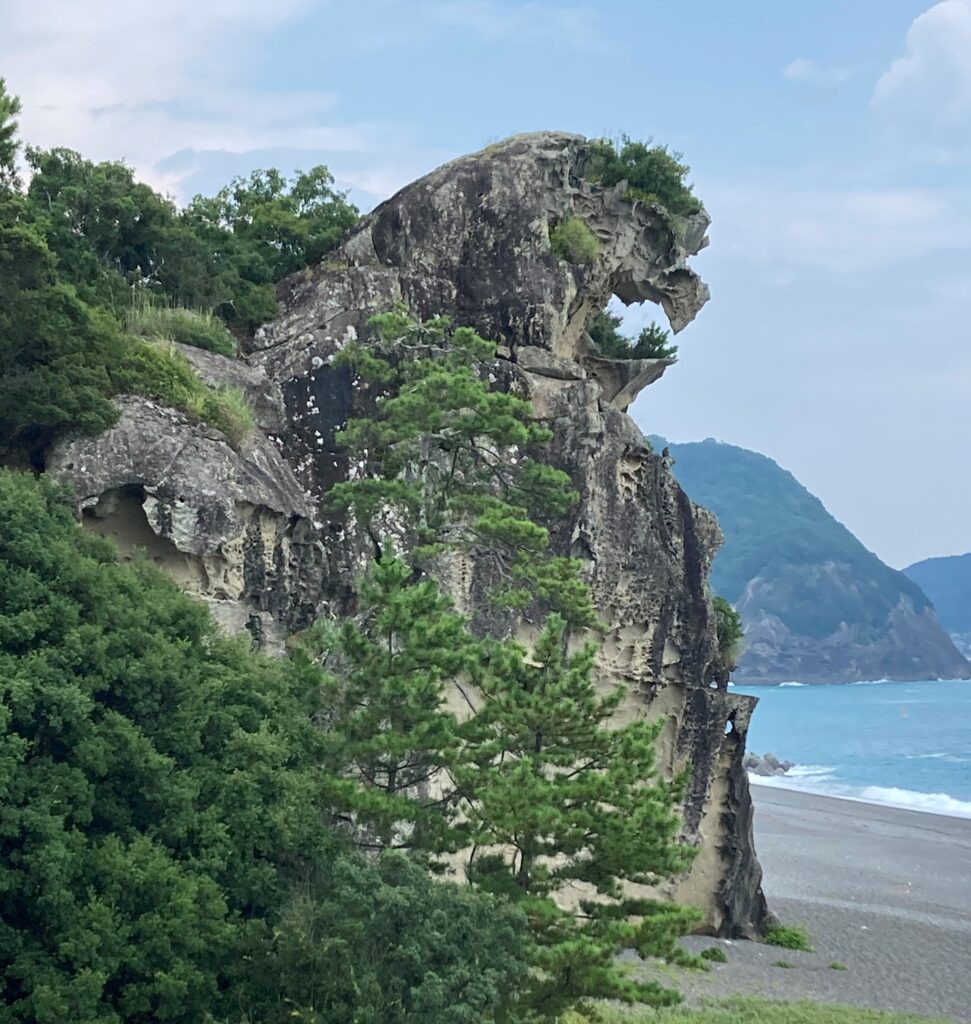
x=471 y=241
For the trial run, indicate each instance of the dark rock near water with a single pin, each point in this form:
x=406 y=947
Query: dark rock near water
x=766 y=766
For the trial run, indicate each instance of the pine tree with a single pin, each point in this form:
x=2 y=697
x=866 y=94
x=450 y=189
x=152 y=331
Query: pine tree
x=460 y=459
x=558 y=799
x=545 y=794
x=396 y=743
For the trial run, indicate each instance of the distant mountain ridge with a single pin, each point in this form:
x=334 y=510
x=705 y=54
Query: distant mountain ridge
x=817 y=606
x=947 y=582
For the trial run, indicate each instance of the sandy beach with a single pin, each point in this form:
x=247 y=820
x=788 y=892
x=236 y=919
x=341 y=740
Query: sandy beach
x=886 y=892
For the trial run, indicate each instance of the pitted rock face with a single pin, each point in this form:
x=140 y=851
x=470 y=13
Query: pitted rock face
x=471 y=241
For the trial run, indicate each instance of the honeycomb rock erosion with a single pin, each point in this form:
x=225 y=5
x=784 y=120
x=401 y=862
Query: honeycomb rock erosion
x=471 y=240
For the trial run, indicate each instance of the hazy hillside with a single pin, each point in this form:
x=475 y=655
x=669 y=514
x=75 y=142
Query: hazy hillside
x=818 y=606
x=947 y=582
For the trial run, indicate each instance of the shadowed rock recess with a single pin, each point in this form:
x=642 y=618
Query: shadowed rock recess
x=249 y=530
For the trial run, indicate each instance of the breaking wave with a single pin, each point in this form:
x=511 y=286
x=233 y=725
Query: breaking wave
x=815 y=778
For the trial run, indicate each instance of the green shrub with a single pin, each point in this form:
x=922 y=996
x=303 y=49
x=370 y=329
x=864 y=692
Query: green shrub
x=651 y=343
x=728 y=628
x=783 y=963
x=573 y=241
x=155 y=322
x=715 y=954
x=837 y=966
x=788 y=937
x=653 y=174
x=160 y=371
x=165 y=852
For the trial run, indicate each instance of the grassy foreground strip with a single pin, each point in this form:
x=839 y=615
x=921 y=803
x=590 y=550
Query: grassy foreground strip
x=753 y=1011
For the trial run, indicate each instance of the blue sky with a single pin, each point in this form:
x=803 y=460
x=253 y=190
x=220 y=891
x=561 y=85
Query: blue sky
x=830 y=141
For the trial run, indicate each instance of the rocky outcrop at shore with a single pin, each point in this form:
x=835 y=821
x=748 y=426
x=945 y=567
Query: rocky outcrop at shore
x=767 y=765
x=250 y=531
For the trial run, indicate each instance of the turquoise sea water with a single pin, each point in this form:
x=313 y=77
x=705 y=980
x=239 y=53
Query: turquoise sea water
x=903 y=744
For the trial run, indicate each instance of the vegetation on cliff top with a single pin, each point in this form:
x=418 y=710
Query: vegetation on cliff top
x=92 y=262
x=653 y=174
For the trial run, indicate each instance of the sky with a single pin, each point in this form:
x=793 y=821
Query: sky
x=829 y=140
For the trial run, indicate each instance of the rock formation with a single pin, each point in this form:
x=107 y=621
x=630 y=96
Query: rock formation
x=250 y=532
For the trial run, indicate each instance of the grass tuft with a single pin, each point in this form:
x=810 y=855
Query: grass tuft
x=152 y=321
x=160 y=371
x=783 y=963
x=837 y=966
x=715 y=954
x=229 y=411
x=788 y=937
x=573 y=241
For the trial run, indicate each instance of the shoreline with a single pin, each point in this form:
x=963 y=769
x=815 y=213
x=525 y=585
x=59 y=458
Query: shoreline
x=765 y=684
x=883 y=892
x=779 y=782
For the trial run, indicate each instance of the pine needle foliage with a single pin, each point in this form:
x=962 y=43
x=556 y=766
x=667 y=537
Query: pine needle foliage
x=558 y=798
x=459 y=459
x=653 y=342
x=396 y=743
x=652 y=173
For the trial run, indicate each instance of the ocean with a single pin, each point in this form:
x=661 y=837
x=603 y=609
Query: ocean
x=902 y=744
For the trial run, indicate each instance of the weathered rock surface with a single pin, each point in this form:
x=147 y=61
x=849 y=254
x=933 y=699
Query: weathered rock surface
x=471 y=240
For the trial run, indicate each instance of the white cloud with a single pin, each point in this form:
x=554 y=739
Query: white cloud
x=142 y=80
x=808 y=71
x=927 y=93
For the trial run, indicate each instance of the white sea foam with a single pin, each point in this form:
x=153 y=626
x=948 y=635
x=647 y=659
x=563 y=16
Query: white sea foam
x=870 y=682
x=888 y=796
x=811 y=772
x=938 y=803
x=792 y=683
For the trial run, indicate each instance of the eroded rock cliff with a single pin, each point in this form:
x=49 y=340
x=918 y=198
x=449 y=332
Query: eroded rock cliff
x=248 y=530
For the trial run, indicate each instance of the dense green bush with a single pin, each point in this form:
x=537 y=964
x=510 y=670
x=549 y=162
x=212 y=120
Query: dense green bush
x=155 y=322
x=165 y=849
x=788 y=937
x=714 y=954
x=573 y=241
x=653 y=342
x=653 y=173
x=84 y=246
x=730 y=633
